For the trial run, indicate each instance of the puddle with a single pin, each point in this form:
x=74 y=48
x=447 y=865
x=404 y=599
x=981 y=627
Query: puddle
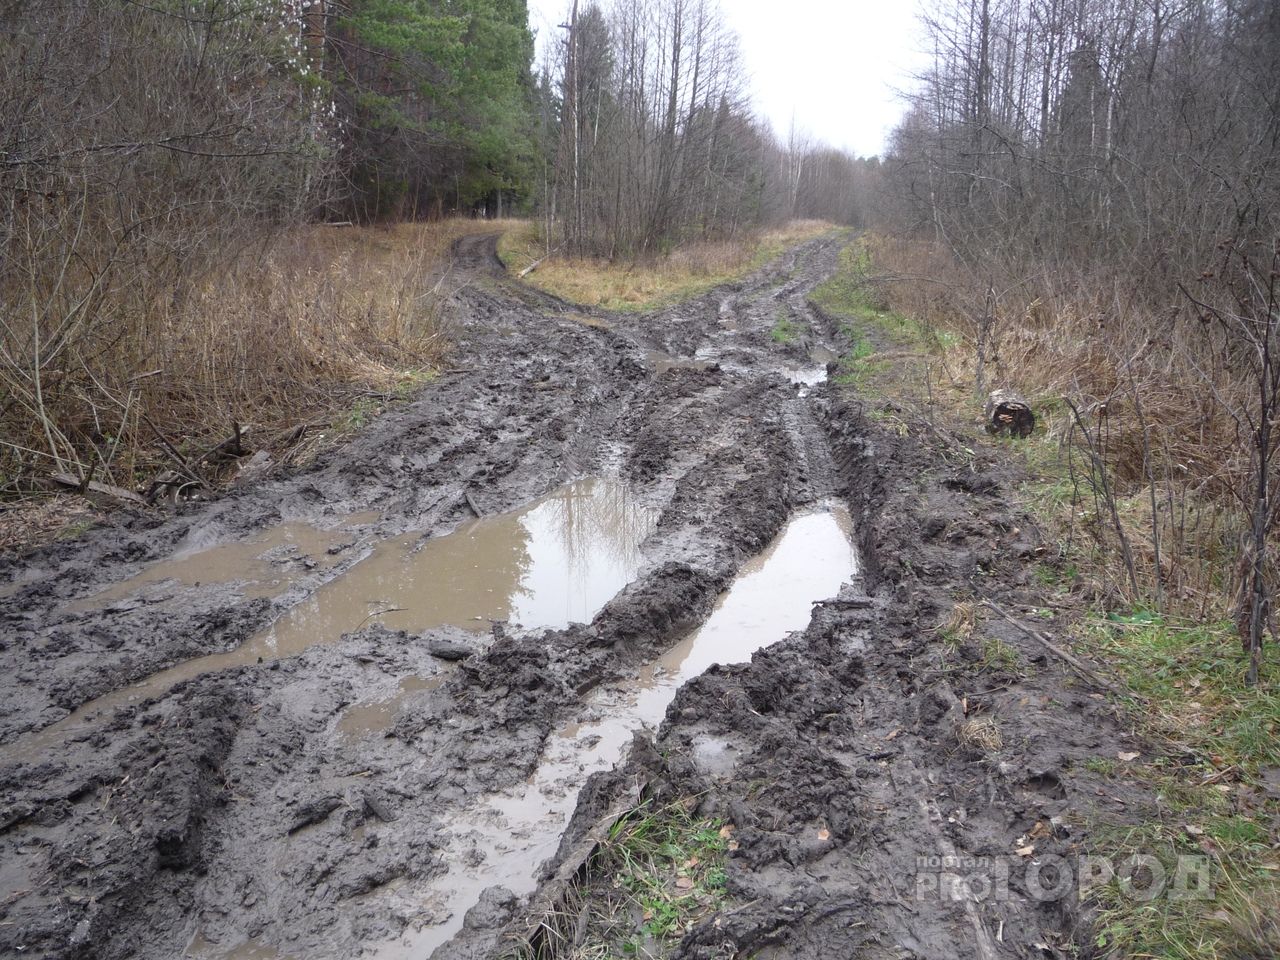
x=375 y=717
x=516 y=831
x=550 y=564
x=256 y=564
x=662 y=363
x=201 y=949
x=814 y=373
x=556 y=561
x=713 y=756
x=728 y=317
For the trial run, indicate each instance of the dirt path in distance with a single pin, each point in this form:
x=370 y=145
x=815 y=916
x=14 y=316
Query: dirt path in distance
x=315 y=803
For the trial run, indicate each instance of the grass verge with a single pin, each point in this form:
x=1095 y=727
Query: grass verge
x=1218 y=780
x=660 y=870
x=1215 y=754
x=687 y=271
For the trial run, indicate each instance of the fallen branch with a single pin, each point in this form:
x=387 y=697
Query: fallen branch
x=534 y=266
x=1075 y=662
x=183 y=466
x=77 y=485
x=229 y=447
x=298 y=432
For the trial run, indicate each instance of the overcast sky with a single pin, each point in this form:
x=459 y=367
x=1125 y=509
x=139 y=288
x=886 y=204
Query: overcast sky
x=834 y=64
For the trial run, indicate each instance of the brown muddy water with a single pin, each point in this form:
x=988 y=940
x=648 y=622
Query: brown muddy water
x=546 y=566
x=260 y=565
x=503 y=838
x=556 y=561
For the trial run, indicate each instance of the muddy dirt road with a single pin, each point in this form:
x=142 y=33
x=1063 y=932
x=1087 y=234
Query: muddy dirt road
x=325 y=714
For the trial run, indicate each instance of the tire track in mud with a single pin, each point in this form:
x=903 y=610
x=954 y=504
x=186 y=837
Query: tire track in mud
x=865 y=822
x=230 y=811
x=227 y=810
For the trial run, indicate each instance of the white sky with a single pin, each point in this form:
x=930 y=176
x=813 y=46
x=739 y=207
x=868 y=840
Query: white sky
x=833 y=64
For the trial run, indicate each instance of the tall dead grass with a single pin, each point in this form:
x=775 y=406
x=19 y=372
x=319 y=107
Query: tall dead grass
x=1135 y=395
x=289 y=329
x=689 y=269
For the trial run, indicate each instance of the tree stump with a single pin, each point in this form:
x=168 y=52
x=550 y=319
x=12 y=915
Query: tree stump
x=1006 y=411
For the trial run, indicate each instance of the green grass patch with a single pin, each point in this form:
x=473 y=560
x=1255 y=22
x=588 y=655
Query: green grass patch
x=1230 y=911
x=785 y=331
x=849 y=295
x=1192 y=675
x=1216 y=788
x=858 y=373
x=666 y=868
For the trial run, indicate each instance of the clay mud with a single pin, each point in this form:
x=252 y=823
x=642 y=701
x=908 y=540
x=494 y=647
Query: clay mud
x=328 y=800
x=551 y=563
x=519 y=829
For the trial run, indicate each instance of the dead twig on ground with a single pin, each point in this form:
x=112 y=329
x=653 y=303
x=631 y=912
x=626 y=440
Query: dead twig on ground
x=1073 y=661
x=184 y=467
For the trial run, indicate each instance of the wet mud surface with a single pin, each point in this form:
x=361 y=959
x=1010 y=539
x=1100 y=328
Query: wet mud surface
x=333 y=795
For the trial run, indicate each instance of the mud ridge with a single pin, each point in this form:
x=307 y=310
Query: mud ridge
x=237 y=810
x=852 y=780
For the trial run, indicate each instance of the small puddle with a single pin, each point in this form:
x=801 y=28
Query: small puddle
x=374 y=717
x=728 y=318
x=201 y=949
x=516 y=831
x=554 y=562
x=815 y=372
x=662 y=363
x=255 y=564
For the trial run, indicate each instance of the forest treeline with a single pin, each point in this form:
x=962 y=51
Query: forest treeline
x=1098 y=183
x=156 y=154
x=649 y=136
x=1135 y=134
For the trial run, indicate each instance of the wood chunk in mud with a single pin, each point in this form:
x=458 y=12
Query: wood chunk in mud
x=374 y=805
x=1008 y=412
x=452 y=650
x=14 y=815
x=855 y=603
x=315 y=812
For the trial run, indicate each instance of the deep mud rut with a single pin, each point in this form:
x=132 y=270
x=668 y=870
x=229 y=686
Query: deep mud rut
x=235 y=814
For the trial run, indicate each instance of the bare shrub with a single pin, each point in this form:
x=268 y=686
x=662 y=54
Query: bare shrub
x=1153 y=453
x=297 y=324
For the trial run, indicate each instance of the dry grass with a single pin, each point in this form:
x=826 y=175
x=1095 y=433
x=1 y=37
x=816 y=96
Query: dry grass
x=687 y=271
x=981 y=734
x=960 y=623
x=293 y=328
x=1138 y=456
x=1132 y=398
x=28 y=522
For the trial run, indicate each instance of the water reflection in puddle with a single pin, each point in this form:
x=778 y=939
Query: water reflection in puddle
x=517 y=831
x=662 y=363
x=551 y=564
x=556 y=561
x=814 y=372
